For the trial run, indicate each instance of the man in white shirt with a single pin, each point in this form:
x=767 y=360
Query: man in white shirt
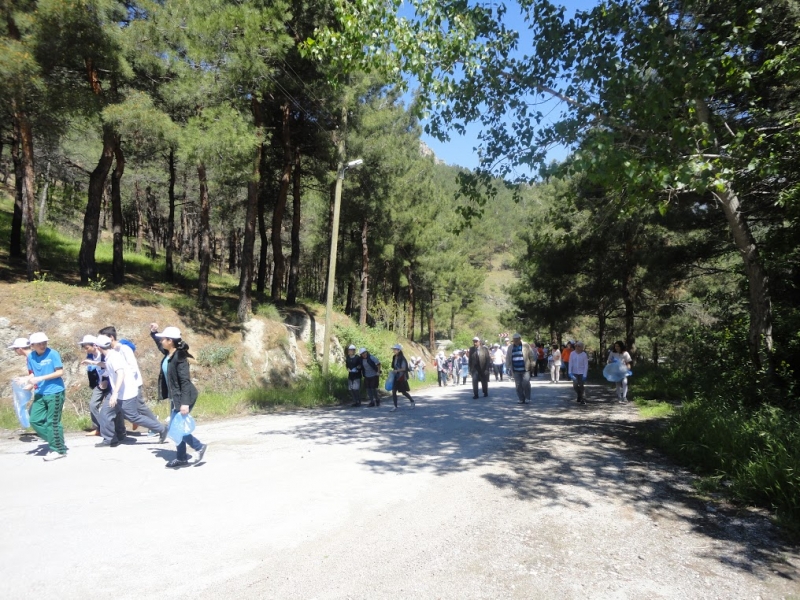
x=579 y=370
x=130 y=359
x=124 y=396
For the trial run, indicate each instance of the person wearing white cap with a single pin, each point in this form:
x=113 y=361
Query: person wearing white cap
x=354 y=372
x=46 y=371
x=175 y=383
x=94 y=371
x=400 y=369
x=498 y=358
x=371 y=368
x=520 y=362
x=462 y=364
x=21 y=347
x=441 y=368
x=480 y=365
x=123 y=398
x=126 y=348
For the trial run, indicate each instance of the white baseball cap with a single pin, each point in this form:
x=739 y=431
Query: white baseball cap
x=476 y=339
x=170 y=332
x=88 y=339
x=38 y=337
x=351 y=347
x=102 y=341
x=397 y=347
x=362 y=350
x=20 y=343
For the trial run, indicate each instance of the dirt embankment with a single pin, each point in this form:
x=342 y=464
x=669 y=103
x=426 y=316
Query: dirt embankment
x=228 y=355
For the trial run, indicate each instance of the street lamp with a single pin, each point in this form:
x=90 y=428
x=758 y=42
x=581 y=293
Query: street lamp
x=337 y=204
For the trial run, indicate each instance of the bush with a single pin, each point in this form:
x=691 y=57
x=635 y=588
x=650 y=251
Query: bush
x=316 y=390
x=212 y=356
x=757 y=451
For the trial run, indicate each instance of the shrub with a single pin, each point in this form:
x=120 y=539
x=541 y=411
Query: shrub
x=212 y=356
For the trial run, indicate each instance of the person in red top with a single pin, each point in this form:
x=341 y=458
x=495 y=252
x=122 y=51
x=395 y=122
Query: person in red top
x=565 y=356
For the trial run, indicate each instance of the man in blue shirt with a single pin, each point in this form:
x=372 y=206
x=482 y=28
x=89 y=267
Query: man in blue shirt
x=48 y=399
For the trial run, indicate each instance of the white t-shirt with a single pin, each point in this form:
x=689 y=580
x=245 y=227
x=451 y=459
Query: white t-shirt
x=123 y=381
x=620 y=356
x=130 y=359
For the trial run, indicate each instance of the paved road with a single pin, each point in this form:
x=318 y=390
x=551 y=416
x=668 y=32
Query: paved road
x=458 y=498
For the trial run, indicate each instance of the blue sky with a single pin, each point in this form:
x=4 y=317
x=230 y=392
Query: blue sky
x=459 y=150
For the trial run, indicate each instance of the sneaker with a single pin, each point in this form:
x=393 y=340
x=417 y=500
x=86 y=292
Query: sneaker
x=371 y=404
x=412 y=404
x=356 y=404
x=152 y=433
x=378 y=403
x=623 y=401
x=474 y=397
x=163 y=436
x=200 y=454
x=175 y=463
x=51 y=456
x=106 y=444
x=394 y=408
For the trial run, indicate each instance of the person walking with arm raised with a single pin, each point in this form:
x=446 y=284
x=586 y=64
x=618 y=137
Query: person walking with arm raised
x=175 y=383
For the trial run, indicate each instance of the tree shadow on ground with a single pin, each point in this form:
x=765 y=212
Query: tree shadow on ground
x=554 y=453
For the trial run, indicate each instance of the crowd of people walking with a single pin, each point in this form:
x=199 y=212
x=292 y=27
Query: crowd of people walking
x=116 y=382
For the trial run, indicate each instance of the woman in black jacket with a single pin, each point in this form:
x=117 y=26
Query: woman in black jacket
x=400 y=369
x=175 y=383
x=354 y=374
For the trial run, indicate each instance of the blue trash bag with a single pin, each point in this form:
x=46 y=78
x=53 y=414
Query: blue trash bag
x=180 y=426
x=21 y=399
x=390 y=382
x=616 y=371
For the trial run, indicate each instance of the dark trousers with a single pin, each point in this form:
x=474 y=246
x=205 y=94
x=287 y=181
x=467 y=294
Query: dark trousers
x=578 y=386
x=498 y=372
x=483 y=377
x=442 y=378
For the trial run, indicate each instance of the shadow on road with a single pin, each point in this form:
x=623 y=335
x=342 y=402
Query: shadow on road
x=552 y=452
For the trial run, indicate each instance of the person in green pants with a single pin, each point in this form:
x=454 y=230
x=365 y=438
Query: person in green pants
x=46 y=371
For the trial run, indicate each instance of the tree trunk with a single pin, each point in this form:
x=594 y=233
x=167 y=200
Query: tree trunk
x=118 y=262
x=28 y=193
x=452 y=321
x=759 y=338
x=294 y=261
x=43 y=196
x=232 y=244
x=15 y=248
x=205 y=237
x=137 y=200
x=169 y=269
x=362 y=313
x=263 y=251
x=412 y=303
x=91 y=220
x=431 y=326
x=280 y=206
x=248 y=243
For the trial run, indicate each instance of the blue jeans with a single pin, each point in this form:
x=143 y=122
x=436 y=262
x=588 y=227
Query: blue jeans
x=187 y=439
